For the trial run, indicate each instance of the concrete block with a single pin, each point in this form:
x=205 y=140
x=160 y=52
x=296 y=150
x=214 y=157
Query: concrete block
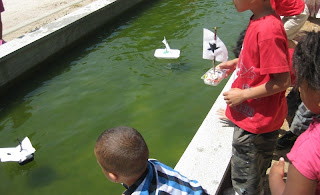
x=20 y=55
x=207 y=156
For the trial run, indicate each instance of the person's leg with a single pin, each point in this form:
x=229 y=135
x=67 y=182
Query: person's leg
x=311 y=4
x=300 y=124
x=0 y=27
x=251 y=156
x=293 y=102
x=1 y=10
x=302 y=120
x=293 y=24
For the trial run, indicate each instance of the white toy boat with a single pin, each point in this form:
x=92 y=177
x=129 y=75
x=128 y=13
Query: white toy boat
x=214 y=77
x=213 y=49
x=167 y=53
x=22 y=154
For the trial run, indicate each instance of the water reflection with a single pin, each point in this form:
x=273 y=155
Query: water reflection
x=14 y=117
x=41 y=176
x=14 y=170
x=178 y=66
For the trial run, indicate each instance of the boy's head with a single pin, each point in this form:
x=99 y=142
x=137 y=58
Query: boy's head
x=122 y=152
x=306 y=62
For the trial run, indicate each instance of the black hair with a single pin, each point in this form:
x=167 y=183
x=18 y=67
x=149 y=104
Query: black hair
x=306 y=60
x=237 y=48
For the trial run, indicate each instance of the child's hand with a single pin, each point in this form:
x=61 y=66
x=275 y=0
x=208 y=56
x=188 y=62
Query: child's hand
x=277 y=169
x=234 y=97
x=276 y=183
x=229 y=65
x=222 y=114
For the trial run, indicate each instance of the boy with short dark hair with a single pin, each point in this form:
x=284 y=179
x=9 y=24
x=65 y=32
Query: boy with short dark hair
x=123 y=157
x=256 y=102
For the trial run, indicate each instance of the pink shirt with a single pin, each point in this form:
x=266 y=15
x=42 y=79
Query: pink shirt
x=264 y=52
x=305 y=154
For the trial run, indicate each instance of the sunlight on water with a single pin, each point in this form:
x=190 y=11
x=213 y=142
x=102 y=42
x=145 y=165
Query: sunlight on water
x=113 y=79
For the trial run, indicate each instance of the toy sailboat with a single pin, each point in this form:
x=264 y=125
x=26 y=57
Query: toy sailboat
x=22 y=154
x=213 y=49
x=167 y=53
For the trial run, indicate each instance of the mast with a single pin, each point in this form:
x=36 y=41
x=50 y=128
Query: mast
x=214 y=57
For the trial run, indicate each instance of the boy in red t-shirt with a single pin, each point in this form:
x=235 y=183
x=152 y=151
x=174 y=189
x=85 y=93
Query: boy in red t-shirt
x=1 y=10
x=256 y=102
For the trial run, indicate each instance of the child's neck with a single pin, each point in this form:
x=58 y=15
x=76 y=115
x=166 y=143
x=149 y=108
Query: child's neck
x=263 y=11
x=130 y=181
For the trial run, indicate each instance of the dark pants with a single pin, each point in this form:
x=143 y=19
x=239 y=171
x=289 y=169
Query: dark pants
x=251 y=157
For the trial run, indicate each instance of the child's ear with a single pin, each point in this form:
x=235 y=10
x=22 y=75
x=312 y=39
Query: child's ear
x=113 y=177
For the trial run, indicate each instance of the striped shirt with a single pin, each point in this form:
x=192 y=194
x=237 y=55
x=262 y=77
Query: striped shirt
x=160 y=179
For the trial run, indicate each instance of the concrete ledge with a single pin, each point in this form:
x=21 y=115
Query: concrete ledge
x=207 y=157
x=7 y=31
x=22 y=54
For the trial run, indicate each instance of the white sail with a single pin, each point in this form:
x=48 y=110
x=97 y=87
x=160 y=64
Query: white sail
x=167 y=53
x=166 y=43
x=213 y=48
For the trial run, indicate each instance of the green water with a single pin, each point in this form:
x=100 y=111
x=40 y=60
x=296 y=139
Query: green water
x=113 y=79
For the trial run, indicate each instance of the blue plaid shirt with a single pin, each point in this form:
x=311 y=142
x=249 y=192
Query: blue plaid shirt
x=161 y=179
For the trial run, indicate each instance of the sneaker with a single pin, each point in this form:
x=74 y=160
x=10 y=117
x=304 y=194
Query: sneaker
x=287 y=140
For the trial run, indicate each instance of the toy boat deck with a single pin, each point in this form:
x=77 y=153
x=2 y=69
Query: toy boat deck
x=24 y=152
x=167 y=54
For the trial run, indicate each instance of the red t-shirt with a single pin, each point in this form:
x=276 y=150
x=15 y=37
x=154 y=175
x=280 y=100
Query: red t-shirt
x=264 y=52
x=292 y=74
x=288 y=7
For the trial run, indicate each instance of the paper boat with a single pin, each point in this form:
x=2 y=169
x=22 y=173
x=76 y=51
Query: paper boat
x=22 y=154
x=167 y=53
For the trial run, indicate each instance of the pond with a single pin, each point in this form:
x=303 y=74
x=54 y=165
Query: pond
x=112 y=79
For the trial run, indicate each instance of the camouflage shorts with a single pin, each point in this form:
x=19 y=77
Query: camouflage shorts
x=251 y=157
x=302 y=119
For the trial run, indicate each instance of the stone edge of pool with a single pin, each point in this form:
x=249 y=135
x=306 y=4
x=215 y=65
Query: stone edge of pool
x=21 y=55
x=207 y=157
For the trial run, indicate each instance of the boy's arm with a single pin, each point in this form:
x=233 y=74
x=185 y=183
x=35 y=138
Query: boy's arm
x=277 y=83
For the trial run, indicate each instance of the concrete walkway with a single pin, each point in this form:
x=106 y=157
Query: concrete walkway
x=21 y=17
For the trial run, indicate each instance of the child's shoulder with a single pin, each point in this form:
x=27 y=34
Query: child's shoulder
x=160 y=165
x=269 y=27
x=269 y=21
